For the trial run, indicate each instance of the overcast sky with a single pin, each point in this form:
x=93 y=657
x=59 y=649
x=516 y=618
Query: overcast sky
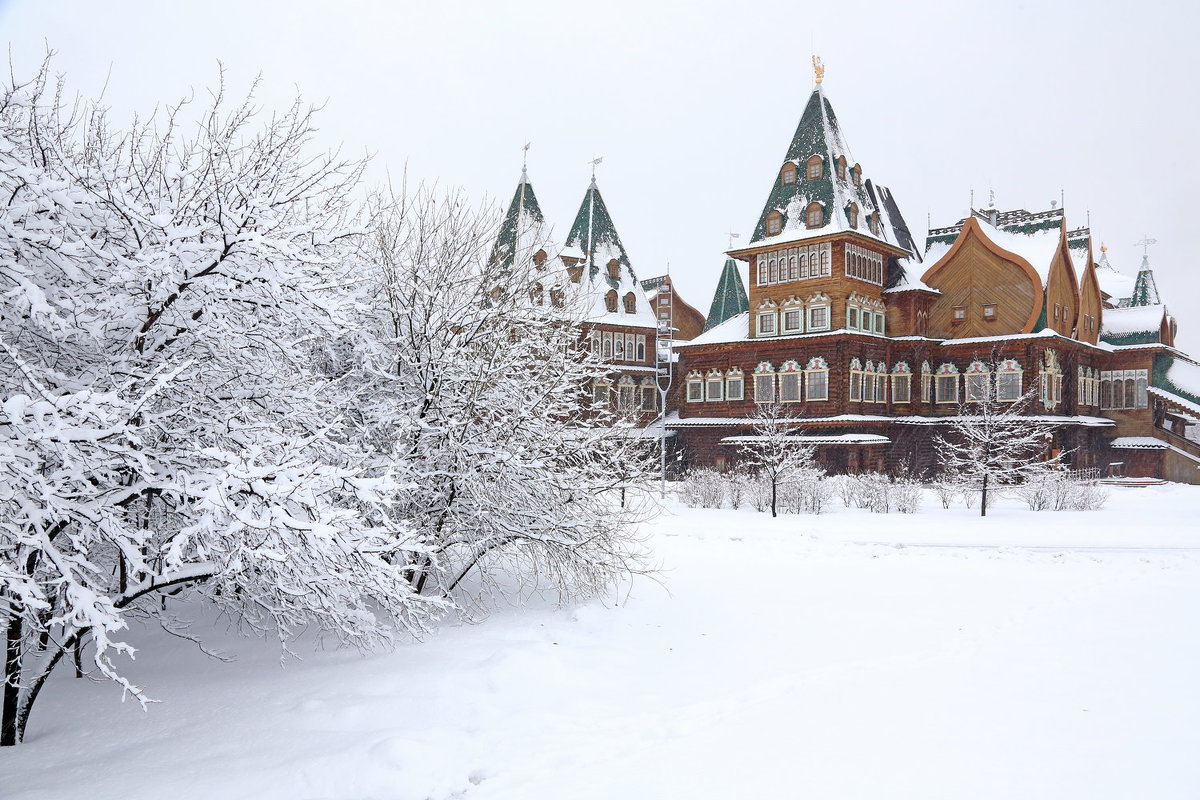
x=692 y=105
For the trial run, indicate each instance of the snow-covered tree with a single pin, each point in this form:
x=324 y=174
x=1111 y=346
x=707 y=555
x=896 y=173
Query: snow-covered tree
x=477 y=391
x=993 y=442
x=168 y=420
x=776 y=453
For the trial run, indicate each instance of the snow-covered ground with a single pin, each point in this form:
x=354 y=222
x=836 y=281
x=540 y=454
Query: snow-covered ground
x=847 y=655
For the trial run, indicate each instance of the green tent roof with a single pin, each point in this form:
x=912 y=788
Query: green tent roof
x=730 y=298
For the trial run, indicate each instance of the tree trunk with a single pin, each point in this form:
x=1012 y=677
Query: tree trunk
x=12 y=682
x=774 y=484
x=983 y=499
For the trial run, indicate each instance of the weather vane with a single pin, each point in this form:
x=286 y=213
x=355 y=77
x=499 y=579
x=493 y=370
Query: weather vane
x=733 y=236
x=1145 y=245
x=818 y=69
x=594 y=162
x=525 y=156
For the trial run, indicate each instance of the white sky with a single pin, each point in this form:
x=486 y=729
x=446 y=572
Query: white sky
x=693 y=104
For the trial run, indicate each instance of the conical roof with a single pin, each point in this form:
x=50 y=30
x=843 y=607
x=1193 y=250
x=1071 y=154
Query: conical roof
x=1145 y=292
x=845 y=198
x=594 y=233
x=523 y=228
x=730 y=298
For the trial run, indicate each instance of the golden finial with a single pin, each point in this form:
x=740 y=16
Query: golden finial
x=818 y=69
x=1103 y=247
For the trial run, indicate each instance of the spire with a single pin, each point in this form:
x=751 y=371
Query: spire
x=594 y=233
x=819 y=175
x=522 y=229
x=1145 y=293
x=730 y=297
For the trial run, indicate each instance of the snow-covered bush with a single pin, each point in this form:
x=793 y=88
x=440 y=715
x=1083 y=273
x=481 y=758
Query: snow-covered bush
x=704 y=488
x=946 y=491
x=808 y=492
x=1057 y=491
x=907 y=494
x=738 y=487
x=845 y=487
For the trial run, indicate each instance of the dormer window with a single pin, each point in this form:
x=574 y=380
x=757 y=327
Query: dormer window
x=610 y=301
x=814 y=215
x=787 y=175
x=630 y=303
x=774 y=223
x=614 y=269
x=873 y=222
x=856 y=175
x=852 y=215
x=814 y=168
x=841 y=168
x=539 y=259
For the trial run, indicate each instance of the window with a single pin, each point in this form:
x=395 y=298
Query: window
x=789 y=382
x=864 y=265
x=818 y=318
x=764 y=383
x=766 y=323
x=627 y=396
x=618 y=347
x=873 y=222
x=600 y=394
x=856 y=174
x=787 y=175
x=1051 y=379
x=926 y=382
x=1008 y=381
x=868 y=383
x=814 y=168
x=536 y=294
x=610 y=301
x=630 y=303
x=774 y=223
x=648 y=392
x=977 y=382
x=960 y=314
x=594 y=336
x=614 y=270
x=793 y=320
x=735 y=385
x=630 y=353
x=1057 y=310
x=989 y=311
x=855 y=380
x=841 y=168
x=946 y=384
x=852 y=318
x=816 y=379
x=607 y=353
x=852 y=214
x=714 y=386
x=814 y=215
x=695 y=387
x=641 y=348
x=879 y=322
x=901 y=388
x=1124 y=389
x=539 y=259
x=557 y=297
x=881 y=382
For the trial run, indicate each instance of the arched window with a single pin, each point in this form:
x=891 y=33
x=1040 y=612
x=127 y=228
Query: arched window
x=841 y=168
x=614 y=269
x=774 y=223
x=873 y=222
x=814 y=215
x=814 y=168
x=764 y=383
x=926 y=382
x=630 y=303
x=539 y=259
x=787 y=175
x=852 y=215
x=816 y=379
x=856 y=175
x=610 y=300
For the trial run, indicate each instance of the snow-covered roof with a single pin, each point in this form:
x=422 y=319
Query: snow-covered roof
x=1137 y=443
x=818 y=133
x=734 y=329
x=1079 y=419
x=841 y=438
x=1117 y=285
x=1132 y=325
x=1038 y=247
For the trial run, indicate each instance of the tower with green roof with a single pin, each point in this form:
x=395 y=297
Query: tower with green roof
x=730 y=298
x=521 y=231
x=595 y=235
x=1145 y=292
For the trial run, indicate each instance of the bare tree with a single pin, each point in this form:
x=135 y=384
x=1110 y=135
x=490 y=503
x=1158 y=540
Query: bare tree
x=775 y=452
x=993 y=442
x=476 y=391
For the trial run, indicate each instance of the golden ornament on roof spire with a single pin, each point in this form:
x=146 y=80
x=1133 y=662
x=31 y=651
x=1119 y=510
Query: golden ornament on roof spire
x=818 y=69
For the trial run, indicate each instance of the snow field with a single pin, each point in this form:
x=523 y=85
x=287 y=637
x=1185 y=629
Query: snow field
x=846 y=655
